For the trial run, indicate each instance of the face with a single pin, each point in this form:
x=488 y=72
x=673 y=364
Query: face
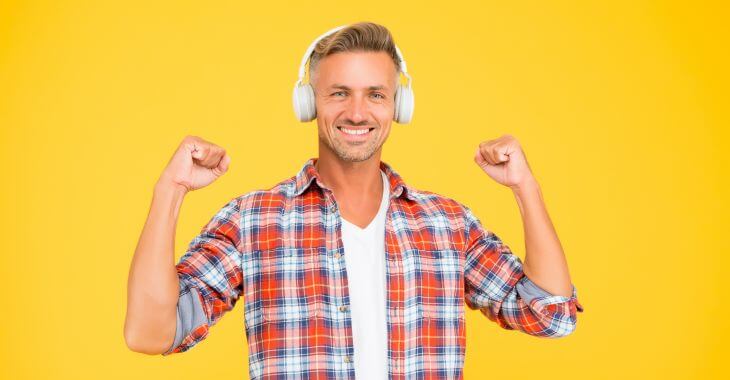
x=354 y=94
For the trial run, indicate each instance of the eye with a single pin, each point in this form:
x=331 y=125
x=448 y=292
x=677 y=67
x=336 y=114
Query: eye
x=379 y=95
x=338 y=93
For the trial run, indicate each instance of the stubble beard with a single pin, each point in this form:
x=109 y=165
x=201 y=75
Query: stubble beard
x=351 y=153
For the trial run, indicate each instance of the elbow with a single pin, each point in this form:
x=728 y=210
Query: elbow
x=143 y=344
x=133 y=342
x=150 y=334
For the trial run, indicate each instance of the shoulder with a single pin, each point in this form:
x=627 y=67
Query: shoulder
x=265 y=198
x=436 y=220
x=436 y=212
x=432 y=201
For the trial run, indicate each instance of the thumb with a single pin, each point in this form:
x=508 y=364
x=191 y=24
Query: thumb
x=195 y=151
x=223 y=165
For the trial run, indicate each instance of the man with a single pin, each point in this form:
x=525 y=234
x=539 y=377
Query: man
x=346 y=271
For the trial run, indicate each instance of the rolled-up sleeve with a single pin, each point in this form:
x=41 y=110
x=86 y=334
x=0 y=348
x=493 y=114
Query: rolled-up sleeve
x=210 y=278
x=495 y=284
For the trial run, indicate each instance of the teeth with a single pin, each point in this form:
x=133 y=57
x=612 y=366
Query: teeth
x=354 y=132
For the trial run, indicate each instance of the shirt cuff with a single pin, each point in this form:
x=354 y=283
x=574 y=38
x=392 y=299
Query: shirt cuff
x=190 y=315
x=530 y=291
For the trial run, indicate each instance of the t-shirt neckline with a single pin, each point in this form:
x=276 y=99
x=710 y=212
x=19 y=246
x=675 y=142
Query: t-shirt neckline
x=381 y=209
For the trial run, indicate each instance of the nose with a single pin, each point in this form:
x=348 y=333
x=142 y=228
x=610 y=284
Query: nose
x=356 y=109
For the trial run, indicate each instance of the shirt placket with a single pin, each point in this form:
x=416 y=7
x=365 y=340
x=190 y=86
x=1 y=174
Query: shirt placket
x=343 y=343
x=394 y=292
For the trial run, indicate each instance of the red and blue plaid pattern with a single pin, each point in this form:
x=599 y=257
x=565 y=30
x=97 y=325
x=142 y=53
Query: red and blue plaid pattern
x=281 y=249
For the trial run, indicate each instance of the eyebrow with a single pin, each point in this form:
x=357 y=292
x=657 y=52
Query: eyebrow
x=343 y=87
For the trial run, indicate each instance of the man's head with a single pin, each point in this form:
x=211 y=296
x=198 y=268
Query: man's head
x=355 y=73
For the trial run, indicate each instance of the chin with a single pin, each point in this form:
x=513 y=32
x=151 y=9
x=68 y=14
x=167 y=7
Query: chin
x=354 y=156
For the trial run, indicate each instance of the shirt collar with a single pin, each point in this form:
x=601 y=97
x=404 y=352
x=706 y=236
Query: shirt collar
x=308 y=174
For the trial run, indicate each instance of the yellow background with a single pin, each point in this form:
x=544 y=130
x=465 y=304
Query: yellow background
x=620 y=107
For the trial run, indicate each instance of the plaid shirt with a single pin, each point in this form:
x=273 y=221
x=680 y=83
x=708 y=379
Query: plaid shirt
x=281 y=249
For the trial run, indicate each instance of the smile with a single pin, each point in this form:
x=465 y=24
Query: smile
x=355 y=133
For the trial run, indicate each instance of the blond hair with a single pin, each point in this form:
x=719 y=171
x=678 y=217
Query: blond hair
x=361 y=36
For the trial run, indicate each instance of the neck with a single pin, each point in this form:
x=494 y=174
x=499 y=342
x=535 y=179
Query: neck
x=350 y=179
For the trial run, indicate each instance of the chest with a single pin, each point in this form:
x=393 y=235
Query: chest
x=297 y=266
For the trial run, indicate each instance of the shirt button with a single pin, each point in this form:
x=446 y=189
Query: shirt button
x=343 y=308
x=348 y=359
x=337 y=255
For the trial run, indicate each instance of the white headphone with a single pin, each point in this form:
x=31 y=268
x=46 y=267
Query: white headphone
x=303 y=95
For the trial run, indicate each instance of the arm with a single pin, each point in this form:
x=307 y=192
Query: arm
x=545 y=262
x=497 y=282
x=153 y=285
x=211 y=278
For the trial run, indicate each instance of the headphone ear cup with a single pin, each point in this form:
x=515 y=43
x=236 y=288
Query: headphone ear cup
x=303 y=102
x=404 y=104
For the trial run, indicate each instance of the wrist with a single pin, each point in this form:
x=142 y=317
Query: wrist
x=527 y=185
x=167 y=198
x=525 y=193
x=169 y=188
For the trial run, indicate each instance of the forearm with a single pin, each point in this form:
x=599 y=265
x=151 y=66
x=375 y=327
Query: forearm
x=153 y=285
x=545 y=262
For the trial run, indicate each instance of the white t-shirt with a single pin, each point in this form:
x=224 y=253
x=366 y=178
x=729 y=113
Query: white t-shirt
x=365 y=262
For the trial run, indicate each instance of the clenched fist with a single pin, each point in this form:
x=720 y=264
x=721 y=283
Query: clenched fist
x=195 y=164
x=504 y=161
